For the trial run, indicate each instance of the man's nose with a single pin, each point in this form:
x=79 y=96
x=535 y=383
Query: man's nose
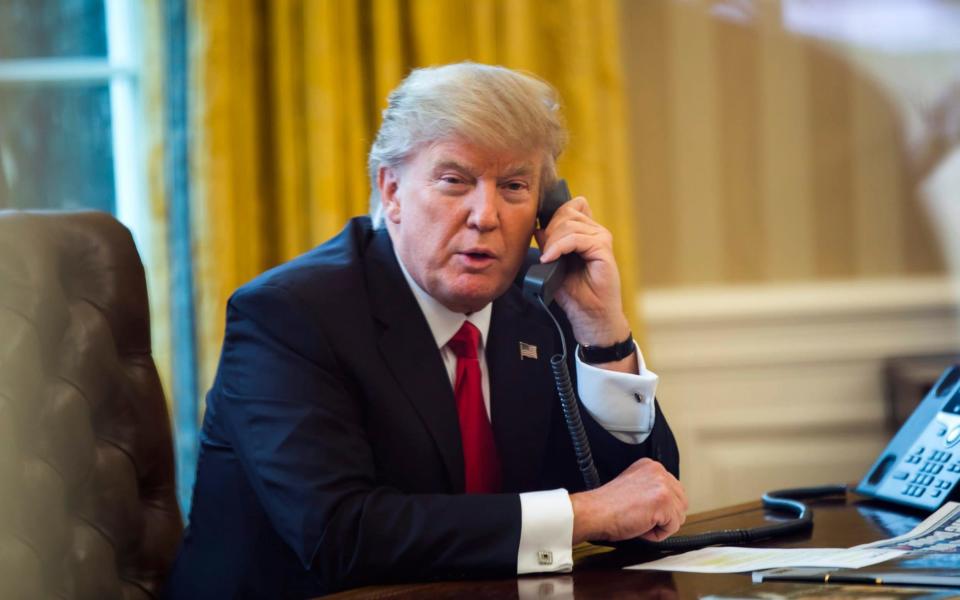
x=484 y=206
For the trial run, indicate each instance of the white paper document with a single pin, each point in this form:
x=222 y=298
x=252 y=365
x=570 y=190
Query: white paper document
x=729 y=559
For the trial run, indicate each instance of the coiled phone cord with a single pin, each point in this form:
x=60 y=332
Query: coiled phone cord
x=571 y=410
x=787 y=500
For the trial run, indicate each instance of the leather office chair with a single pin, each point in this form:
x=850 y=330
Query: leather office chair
x=88 y=503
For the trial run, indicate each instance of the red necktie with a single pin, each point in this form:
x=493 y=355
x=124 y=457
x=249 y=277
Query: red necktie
x=480 y=462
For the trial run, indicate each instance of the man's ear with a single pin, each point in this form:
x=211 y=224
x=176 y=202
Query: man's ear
x=388 y=182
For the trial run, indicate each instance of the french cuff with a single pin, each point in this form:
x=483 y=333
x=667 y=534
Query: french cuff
x=622 y=403
x=546 y=532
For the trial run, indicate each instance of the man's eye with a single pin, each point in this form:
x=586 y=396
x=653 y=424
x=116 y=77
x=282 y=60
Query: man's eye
x=516 y=186
x=451 y=179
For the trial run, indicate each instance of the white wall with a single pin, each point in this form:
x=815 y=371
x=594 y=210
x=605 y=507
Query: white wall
x=780 y=386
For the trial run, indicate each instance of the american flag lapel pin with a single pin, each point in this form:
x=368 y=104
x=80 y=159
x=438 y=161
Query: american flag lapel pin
x=528 y=351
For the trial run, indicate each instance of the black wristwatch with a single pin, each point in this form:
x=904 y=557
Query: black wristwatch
x=605 y=354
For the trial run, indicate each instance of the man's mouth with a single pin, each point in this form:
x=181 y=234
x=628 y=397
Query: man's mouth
x=477 y=257
x=478 y=252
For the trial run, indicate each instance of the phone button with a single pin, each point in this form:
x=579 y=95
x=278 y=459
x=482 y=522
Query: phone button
x=913 y=460
x=901 y=475
x=953 y=437
x=935 y=493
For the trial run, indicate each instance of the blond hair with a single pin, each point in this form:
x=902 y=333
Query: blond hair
x=490 y=106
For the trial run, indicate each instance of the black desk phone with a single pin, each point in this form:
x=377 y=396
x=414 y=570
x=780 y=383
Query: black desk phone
x=920 y=467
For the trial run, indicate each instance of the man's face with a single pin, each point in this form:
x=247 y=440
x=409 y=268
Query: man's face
x=461 y=218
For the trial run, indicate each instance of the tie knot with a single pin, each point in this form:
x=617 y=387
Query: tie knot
x=465 y=341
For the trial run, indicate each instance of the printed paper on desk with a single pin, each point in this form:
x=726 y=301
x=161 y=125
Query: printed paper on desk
x=939 y=533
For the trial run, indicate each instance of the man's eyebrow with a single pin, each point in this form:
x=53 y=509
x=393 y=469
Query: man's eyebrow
x=521 y=169
x=452 y=164
x=511 y=171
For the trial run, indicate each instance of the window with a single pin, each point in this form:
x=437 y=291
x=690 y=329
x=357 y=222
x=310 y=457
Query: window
x=69 y=108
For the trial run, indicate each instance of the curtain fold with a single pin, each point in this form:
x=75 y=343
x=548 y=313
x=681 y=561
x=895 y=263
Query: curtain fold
x=154 y=146
x=287 y=95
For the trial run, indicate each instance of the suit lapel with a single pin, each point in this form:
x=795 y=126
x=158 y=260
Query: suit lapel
x=521 y=391
x=409 y=350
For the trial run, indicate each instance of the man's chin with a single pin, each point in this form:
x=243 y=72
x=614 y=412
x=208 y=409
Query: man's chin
x=469 y=300
x=466 y=305
x=466 y=294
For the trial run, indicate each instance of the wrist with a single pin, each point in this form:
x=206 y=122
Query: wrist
x=587 y=522
x=603 y=332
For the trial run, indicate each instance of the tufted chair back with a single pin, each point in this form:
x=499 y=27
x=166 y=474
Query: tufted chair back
x=87 y=494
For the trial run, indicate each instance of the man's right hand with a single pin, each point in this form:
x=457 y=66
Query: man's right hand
x=644 y=501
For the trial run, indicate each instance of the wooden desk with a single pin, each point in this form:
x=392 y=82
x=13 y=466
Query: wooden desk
x=837 y=523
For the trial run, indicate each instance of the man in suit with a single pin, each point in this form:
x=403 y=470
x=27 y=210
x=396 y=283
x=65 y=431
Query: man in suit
x=384 y=408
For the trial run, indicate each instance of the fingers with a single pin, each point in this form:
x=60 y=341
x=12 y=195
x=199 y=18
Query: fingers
x=665 y=501
x=590 y=245
x=644 y=501
x=573 y=229
x=577 y=204
x=658 y=534
x=575 y=211
x=671 y=513
x=667 y=520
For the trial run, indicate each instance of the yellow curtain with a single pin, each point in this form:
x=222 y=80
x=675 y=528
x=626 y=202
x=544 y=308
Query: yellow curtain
x=286 y=96
x=155 y=256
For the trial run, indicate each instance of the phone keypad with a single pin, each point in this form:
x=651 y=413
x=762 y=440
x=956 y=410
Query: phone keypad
x=930 y=470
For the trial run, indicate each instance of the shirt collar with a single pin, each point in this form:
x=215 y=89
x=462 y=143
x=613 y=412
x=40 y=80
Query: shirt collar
x=442 y=321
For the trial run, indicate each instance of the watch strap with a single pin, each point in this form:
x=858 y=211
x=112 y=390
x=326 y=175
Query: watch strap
x=605 y=354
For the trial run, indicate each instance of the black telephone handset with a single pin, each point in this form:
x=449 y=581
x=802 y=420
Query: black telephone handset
x=920 y=467
x=542 y=280
x=540 y=283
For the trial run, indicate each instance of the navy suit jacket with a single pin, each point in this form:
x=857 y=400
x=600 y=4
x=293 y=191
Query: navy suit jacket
x=330 y=450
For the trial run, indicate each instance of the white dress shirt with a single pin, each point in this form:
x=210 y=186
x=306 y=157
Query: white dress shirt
x=622 y=403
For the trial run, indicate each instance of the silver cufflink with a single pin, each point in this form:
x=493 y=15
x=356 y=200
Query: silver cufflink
x=545 y=557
